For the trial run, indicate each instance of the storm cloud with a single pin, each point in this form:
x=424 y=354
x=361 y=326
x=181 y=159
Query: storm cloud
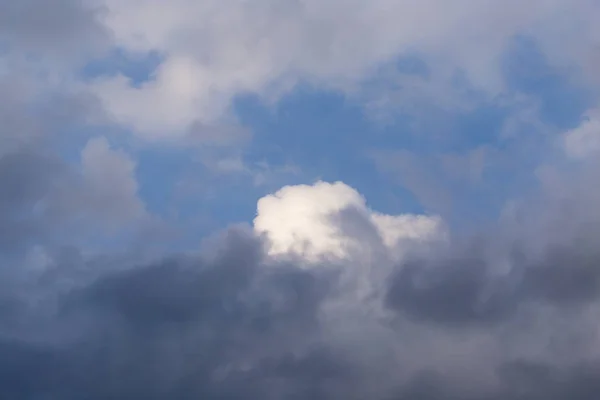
x=234 y=322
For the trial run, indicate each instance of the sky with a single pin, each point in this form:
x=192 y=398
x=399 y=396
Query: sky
x=300 y=199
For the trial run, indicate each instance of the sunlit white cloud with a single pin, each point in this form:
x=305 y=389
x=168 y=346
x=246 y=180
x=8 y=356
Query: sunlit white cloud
x=301 y=220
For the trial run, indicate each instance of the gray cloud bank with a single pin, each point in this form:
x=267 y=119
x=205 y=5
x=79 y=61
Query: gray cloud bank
x=508 y=314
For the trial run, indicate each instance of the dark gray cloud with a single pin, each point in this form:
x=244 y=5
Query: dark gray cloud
x=519 y=381
x=35 y=115
x=453 y=292
x=507 y=315
x=463 y=286
x=234 y=324
x=544 y=251
x=181 y=329
x=25 y=178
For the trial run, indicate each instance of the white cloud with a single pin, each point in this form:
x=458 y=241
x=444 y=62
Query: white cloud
x=309 y=224
x=300 y=220
x=295 y=219
x=584 y=140
x=215 y=50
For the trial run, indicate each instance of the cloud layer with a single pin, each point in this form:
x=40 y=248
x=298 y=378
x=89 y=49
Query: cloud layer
x=212 y=52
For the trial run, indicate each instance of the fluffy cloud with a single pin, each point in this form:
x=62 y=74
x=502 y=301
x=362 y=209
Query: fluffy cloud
x=302 y=219
x=329 y=224
x=214 y=50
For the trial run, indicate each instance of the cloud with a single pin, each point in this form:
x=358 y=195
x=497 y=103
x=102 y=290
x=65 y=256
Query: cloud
x=110 y=181
x=37 y=111
x=222 y=311
x=298 y=219
x=102 y=191
x=45 y=200
x=237 y=321
x=216 y=51
x=25 y=179
x=63 y=28
x=330 y=224
x=584 y=140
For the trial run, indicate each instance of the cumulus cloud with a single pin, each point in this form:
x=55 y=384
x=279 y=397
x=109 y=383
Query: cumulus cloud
x=301 y=219
x=330 y=224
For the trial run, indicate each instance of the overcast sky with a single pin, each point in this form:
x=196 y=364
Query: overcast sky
x=300 y=199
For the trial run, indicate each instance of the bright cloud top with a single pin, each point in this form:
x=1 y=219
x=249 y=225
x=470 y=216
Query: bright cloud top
x=301 y=220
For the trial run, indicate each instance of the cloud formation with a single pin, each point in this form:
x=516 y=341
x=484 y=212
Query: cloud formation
x=215 y=51
x=302 y=219
x=484 y=318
